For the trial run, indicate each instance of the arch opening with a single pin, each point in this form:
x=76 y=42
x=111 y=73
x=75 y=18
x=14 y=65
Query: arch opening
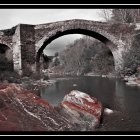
x=110 y=45
x=74 y=31
x=6 y=58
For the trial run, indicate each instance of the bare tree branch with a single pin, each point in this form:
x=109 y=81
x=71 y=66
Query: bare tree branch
x=105 y=14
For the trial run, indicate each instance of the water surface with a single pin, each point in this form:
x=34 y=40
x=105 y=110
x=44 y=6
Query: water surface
x=112 y=93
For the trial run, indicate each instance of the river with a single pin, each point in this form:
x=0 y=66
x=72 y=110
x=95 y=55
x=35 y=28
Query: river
x=112 y=93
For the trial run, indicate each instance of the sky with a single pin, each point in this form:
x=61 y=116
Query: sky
x=12 y=17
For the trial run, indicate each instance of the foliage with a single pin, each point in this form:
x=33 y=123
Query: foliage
x=81 y=56
x=132 y=59
x=126 y=15
x=120 y=15
x=105 y=14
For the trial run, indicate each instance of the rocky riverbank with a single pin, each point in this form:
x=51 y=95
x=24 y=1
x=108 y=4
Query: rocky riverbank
x=32 y=83
x=22 y=110
x=35 y=85
x=133 y=80
x=110 y=75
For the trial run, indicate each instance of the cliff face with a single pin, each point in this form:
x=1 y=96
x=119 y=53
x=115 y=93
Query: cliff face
x=84 y=56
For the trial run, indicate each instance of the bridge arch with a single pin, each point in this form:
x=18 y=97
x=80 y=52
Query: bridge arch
x=6 y=57
x=95 y=30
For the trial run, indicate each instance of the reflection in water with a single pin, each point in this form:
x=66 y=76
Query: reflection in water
x=127 y=98
x=119 y=100
x=101 y=88
x=112 y=93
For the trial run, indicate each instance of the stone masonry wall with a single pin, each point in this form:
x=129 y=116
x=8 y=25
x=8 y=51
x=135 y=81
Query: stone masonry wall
x=28 y=53
x=27 y=40
x=44 y=32
x=17 y=51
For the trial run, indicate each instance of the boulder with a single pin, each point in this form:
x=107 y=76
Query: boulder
x=137 y=80
x=82 y=110
x=21 y=110
x=108 y=111
x=131 y=83
x=138 y=69
x=138 y=72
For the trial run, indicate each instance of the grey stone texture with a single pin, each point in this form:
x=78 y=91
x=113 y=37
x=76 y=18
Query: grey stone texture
x=28 y=41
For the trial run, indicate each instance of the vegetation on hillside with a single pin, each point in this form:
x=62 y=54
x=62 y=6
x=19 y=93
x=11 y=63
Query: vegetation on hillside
x=83 y=56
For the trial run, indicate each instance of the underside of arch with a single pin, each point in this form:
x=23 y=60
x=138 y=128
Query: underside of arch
x=6 y=58
x=72 y=31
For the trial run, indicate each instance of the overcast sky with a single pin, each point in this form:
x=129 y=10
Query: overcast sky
x=12 y=17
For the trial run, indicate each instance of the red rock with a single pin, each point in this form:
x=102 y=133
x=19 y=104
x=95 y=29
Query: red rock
x=3 y=86
x=83 y=109
x=9 y=126
x=21 y=110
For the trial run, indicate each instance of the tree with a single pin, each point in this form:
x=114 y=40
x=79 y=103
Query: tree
x=105 y=14
x=126 y=15
x=56 y=54
x=132 y=59
x=120 y=15
x=84 y=55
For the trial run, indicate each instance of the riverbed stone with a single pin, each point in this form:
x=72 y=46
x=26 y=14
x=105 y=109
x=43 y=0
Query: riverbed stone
x=82 y=110
x=21 y=110
x=131 y=83
x=138 y=70
x=108 y=111
x=138 y=80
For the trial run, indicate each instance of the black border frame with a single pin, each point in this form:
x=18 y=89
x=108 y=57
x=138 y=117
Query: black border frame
x=69 y=6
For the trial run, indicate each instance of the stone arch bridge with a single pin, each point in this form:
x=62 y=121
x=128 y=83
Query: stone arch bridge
x=27 y=42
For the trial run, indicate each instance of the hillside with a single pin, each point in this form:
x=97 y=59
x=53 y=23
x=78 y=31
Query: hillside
x=85 y=55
